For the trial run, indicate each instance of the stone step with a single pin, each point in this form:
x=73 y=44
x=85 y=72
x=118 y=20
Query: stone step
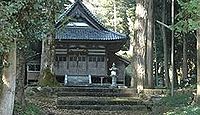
x=60 y=102
x=99 y=101
x=99 y=98
x=105 y=107
x=95 y=94
x=95 y=89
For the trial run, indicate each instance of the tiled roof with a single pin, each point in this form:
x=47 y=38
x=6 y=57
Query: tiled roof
x=87 y=33
x=79 y=4
x=94 y=31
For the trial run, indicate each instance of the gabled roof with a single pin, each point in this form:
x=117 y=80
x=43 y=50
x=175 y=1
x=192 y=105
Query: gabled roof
x=91 y=28
x=79 y=10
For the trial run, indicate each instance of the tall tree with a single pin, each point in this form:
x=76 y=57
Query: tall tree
x=149 y=45
x=26 y=20
x=8 y=35
x=189 y=22
x=185 y=67
x=47 y=56
x=198 y=66
x=52 y=8
x=172 y=51
x=167 y=81
x=140 y=38
x=9 y=81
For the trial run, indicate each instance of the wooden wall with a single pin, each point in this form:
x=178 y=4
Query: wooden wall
x=33 y=70
x=80 y=65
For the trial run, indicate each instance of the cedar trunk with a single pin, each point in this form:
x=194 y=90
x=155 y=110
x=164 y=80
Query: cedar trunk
x=47 y=54
x=20 y=96
x=167 y=80
x=140 y=38
x=149 y=45
x=9 y=81
x=198 y=67
x=185 y=70
x=48 y=46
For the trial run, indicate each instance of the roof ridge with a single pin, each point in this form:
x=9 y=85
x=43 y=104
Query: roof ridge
x=64 y=13
x=94 y=18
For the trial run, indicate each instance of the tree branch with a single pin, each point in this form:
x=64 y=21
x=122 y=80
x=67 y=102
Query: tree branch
x=163 y=24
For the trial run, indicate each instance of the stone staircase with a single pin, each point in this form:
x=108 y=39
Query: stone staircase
x=99 y=98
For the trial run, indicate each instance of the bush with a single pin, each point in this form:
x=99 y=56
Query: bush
x=178 y=100
x=48 y=79
x=170 y=105
x=30 y=109
x=189 y=110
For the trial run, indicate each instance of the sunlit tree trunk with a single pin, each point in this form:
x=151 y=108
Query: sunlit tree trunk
x=149 y=43
x=167 y=80
x=47 y=54
x=7 y=95
x=172 y=50
x=198 y=67
x=140 y=38
x=48 y=43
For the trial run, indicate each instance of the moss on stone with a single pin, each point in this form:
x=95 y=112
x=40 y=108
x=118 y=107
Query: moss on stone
x=48 y=79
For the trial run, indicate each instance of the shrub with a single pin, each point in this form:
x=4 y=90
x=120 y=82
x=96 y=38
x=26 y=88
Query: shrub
x=189 y=110
x=48 y=79
x=30 y=109
x=178 y=100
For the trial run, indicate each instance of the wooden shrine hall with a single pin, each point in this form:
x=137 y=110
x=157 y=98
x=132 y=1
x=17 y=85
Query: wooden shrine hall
x=85 y=50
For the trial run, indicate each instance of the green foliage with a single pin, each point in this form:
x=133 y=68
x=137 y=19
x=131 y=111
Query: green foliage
x=30 y=109
x=125 y=13
x=173 y=105
x=189 y=110
x=178 y=100
x=189 y=16
x=7 y=25
x=188 y=20
x=48 y=79
x=27 y=21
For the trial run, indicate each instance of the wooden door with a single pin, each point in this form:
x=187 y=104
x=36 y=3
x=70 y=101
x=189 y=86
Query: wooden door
x=77 y=65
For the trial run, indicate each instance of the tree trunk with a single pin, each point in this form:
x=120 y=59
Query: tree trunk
x=133 y=77
x=140 y=38
x=172 y=50
x=48 y=46
x=185 y=70
x=167 y=80
x=20 y=96
x=46 y=54
x=9 y=82
x=149 y=45
x=198 y=67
